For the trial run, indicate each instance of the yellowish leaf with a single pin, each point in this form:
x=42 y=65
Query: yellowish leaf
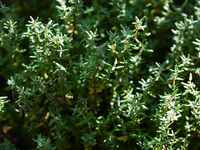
x=123 y=138
x=6 y=128
x=91 y=91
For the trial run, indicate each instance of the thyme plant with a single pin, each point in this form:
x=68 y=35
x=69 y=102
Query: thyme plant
x=93 y=77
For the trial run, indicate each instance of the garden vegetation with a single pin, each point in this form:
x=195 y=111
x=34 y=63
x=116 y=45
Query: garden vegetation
x=101 y=74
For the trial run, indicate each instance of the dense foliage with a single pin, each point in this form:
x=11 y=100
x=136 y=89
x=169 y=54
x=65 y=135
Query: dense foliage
x=116 y=74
